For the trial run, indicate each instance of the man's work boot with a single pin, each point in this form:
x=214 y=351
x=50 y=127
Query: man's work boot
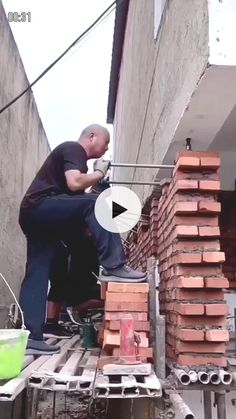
x=122 y=274
x=39 y=347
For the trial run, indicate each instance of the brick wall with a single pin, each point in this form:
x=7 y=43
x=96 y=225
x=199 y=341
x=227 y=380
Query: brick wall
x=184 y=233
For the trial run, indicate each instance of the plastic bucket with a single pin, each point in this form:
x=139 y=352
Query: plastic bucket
x=12 y=350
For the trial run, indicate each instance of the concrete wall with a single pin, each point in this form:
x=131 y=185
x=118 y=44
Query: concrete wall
x=157 y=79
x=23 y=147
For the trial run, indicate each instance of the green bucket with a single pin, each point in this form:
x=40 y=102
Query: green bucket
x=12 y=350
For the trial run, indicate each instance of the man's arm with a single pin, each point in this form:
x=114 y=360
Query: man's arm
x=77 y=181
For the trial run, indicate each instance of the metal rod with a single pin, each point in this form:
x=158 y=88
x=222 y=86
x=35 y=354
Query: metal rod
x=207 y=405
x=221 y=406
x=143 y=166
x=131 y=182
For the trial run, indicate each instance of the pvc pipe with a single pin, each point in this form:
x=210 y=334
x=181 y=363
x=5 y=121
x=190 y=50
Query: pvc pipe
x=226 y=377
x=214 y=377
x=203 y=377
x=193 y=376
x=182 y=376
x=180 y=407
x=143 y=166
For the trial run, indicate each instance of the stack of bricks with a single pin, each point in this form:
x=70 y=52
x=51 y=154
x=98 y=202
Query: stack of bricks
x=142 y=244
x=190 y=263
x=125 y=298
x=228 y=235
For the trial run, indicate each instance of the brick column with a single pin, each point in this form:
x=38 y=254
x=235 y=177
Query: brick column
x=190 y=258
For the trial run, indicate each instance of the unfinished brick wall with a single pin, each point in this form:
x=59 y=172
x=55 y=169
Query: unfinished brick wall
x=228 y=235
x=190 y=262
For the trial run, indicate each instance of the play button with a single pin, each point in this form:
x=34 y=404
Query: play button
x=118 y=209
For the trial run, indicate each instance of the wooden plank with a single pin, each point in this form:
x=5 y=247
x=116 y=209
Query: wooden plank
x=159 y=354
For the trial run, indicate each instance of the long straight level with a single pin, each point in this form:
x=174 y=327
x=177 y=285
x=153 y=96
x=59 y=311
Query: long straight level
x=143 y=166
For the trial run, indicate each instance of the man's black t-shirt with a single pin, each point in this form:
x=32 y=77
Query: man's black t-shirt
x=50 y=179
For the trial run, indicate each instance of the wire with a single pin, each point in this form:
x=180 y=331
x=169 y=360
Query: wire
x=60 y=56
x=18 y=305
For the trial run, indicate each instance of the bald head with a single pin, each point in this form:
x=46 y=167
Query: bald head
x=95 y=140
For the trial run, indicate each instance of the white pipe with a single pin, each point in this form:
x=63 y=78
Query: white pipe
x=226 y=377
x=193 y=376
x=180 y=407
x=214 y=377
x=203 y=377
x=182 y=376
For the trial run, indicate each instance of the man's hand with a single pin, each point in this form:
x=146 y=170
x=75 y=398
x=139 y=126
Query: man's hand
x=102 y=166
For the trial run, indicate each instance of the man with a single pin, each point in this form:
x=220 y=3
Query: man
x=55 y=208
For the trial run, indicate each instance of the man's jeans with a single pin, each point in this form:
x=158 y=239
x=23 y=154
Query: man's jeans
x=59 y=217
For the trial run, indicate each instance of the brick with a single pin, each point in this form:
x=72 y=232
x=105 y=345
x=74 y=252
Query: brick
x=189 y=309
x=216 y=309
x=197 y=321
x=210 y=162
x=217 y=335
x=199 y=270
x=198 y=360
x=200 y=347
x=215 y=282
x=209 y=185
x=196 y=245
x=112 y=338
x=125 y=306
x=185 y=207
x=139 y=326
x=205 y=231
x=209 y=207
x=213 y=257
x=186 y=258
x=187 y=231
x=195 y=220
x=189 y=282
x=119 y=315
x=201 y=295
x=127 y=297
x=188 y=162
x=199 y=154
x=103 y=289
x=126 y=287
x=190 y=334
x=143 y=352
x=186 y=184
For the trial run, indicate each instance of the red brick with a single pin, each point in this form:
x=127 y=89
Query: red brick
x=139 y=326
x=217 y=335
x=209 y=185
x=127 y=297
x=199 y=270
x=189 y=282
x=120 y=315
x=112 y=338
x=213 y=257
x=209 y=207
x=200 y=347
x=186 y=258
x=197 y=360
x=197 y=321
x=185 y=207
x=205 y=231
x=188 y=162
x=201 y=295
x=189 y=309
x=210 y=162
x=199 y=154
x=216 y=309
x=125 y=306
x=186 y=184
x=187 y=231
x=194 y=220
x=190 y=334
x=215 y=282
x=196 y=245
x=143 y=352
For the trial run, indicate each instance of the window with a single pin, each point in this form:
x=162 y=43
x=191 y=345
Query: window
x=158 y=10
